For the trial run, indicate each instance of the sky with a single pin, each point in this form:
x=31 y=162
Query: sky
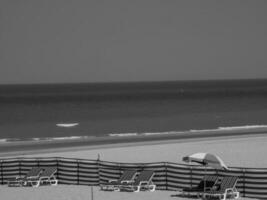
x=58 y=41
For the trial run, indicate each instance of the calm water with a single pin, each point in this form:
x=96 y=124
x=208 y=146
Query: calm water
x=32 y=111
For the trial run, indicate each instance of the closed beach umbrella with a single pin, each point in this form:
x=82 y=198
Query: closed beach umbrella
x=206 y=159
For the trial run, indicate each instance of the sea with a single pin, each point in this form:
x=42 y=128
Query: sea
x=89 y=110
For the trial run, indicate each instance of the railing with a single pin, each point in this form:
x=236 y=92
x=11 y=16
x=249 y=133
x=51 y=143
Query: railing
x=168 y=176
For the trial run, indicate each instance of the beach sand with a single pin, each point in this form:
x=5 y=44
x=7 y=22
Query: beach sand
x=243 y=151
x=74 y=192
x=238 y=151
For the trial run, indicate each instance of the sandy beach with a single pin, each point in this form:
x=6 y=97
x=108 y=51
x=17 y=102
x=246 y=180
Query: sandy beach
x=242 y=151
x=74 y=192
x=237 y=148
x=236 y=151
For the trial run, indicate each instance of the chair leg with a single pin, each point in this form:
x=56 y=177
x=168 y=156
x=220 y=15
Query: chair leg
x=54 y=182
x=152 y=188
x=116 y=189
x=224 y=197
x=35 y=184
x=137 y=189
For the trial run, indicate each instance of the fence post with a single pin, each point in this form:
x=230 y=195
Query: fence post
x=2 y=178
x=78 y=172
x=120 y=169
x=142 y=167
x=98 y=168
x=92 y=193
x=166 y=175
x=244 y=181
x=19 y=167
x=38 y=162
x=191 y=171
x=57 y=173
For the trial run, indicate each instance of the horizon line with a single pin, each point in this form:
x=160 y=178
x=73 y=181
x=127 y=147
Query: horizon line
x=134 y=82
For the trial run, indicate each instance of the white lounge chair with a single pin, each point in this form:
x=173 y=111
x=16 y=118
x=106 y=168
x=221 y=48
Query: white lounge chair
x=143 y=182
x=47 y=177
x=127 y=176
x=32 y=174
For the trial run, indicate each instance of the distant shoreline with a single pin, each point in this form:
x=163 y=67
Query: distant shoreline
x=34 y=147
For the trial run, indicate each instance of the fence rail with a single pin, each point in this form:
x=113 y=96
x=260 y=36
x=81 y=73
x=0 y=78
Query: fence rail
x=168 y=176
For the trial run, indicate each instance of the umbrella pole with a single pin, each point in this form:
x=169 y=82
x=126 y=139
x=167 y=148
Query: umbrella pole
x=205 y=178
x=204 y=189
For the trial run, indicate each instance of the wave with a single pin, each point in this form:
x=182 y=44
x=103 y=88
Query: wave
x=243 y=127
x=67 y=125
x=219 y=129
x=122 y=134
x=46 y=139
x=3 y=140
x=134 y=134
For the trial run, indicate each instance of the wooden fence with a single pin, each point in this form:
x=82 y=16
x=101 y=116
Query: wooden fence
x=168 y=176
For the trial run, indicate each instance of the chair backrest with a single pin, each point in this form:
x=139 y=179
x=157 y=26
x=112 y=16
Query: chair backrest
x=49 y=171
x=227 y=182
x=208 y=181
x=127 y=175
x=144 y=176
x=34 y=172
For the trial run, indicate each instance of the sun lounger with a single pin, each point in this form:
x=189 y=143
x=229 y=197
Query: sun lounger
x=47 y=177
x=32 y=174
x=226 y=189
x=127 y=176
x=208 y=182
x=143 y=182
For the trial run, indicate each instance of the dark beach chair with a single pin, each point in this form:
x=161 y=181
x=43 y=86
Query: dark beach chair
x=226 y=189
x=32 y=174
x=208 y=182
x=143 y=182
x=127 y=176
x=47 y=177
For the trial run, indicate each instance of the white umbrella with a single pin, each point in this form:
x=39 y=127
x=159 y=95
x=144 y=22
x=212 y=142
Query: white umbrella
x=206 y=159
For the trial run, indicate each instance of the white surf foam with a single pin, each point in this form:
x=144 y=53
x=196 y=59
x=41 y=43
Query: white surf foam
x=122 y=134
x=242 y=127
x=67 y=125
x=68 y=138
x=219 y=129
x=3 y=140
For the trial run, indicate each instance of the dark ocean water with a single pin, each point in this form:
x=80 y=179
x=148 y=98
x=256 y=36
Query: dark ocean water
x=32 y=111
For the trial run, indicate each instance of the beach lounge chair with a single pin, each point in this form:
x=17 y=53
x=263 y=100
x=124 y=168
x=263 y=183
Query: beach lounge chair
x=47 y=177
x=143 y=182
x=226 y=189
x=127 y=176
x=32 y=174
x=208 y=182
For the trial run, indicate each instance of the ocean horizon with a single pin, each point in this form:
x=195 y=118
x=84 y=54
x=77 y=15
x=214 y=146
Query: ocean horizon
x=84 y=110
